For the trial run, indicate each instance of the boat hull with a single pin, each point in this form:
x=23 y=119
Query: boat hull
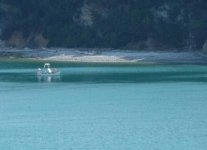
x=44 y=72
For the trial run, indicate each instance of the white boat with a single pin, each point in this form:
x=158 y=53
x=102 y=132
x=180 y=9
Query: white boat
x=47 y=71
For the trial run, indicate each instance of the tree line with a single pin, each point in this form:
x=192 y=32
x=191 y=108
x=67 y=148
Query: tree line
x=180 y=24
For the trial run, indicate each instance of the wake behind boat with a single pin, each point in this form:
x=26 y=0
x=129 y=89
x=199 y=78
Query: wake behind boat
x=47 y=71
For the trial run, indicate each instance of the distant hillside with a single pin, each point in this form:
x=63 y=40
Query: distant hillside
x=134 y=24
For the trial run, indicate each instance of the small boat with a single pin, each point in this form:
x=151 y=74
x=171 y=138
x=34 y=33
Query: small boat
x=47 y=71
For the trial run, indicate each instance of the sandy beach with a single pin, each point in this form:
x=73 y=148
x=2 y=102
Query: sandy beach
x=106 y=55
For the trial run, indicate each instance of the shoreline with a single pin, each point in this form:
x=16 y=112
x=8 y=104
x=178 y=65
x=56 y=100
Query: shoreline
x=105 y=55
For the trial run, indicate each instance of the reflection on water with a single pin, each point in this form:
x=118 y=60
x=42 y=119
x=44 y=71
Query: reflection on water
x=48 y=78
x=103 y=73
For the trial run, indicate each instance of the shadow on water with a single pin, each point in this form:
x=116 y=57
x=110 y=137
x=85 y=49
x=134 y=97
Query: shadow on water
x=21 y=71
x=106 y=77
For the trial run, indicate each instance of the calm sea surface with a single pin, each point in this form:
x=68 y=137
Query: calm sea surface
x=103 y=107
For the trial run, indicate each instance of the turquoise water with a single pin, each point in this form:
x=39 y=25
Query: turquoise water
x=103 y=106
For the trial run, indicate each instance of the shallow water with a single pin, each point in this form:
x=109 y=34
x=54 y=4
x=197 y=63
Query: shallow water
x=103 y=106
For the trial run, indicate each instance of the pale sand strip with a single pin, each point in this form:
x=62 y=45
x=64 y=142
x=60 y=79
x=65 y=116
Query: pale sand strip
x=95 y=58
x=132 y=57
x=106 y=56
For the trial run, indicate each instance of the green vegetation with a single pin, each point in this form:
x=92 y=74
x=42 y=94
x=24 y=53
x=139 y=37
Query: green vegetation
x=144 y=24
